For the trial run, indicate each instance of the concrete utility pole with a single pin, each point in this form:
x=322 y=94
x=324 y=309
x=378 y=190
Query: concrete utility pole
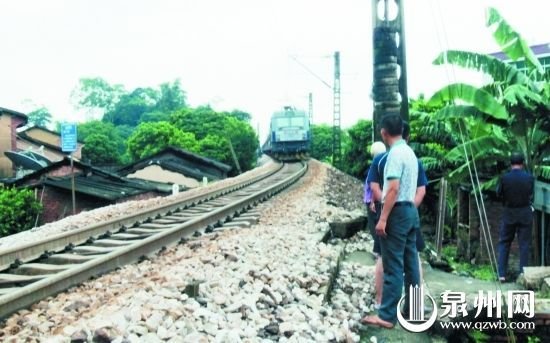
x=336 y=127
x=389 y=87
x=235 y=160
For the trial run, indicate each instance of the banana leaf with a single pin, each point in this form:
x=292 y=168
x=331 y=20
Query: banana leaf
x=510 y=41
x=521 y=95
x=497 y=69
x=431 y=163
x=479 y=98
x=489 y=146
x=543 y=171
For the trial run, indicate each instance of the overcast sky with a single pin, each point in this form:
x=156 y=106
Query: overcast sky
x=234 y=54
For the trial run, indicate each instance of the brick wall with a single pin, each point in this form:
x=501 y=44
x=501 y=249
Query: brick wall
x=57 y=204
x=473 y=242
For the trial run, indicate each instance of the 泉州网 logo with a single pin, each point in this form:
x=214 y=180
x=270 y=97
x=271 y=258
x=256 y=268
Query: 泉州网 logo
x=418 y=318
x=416 y=321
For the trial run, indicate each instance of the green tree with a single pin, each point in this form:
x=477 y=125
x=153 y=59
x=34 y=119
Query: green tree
x=95 y=127
x=96 y=95
x=215 y=147
x=356 y=157
x=150 y=138
x=241 y=115
x=171 y=97
x=204 y=122
x=155 y=116
x=18 y=210
x=431 y=139
x=321 y=142
x=40 y=117
x=132 y=106
x=103 y=143
x=115 y=105
x=244 y=140
x=98 y=149
x=509 y=113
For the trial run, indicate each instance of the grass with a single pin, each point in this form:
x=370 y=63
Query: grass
x=478 y=336
x=480 y=272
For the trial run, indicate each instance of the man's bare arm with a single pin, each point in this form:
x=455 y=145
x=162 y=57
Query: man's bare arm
x=389 y=201
x=376 y=191
x=419 y=195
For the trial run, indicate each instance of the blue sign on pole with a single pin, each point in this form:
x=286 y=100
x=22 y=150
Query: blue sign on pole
x=68 y=137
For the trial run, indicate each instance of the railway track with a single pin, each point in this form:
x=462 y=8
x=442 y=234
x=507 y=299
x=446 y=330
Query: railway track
x=34 y=271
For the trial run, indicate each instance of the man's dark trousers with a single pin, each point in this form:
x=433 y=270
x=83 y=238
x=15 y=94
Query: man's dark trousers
x=399 y=255
x=514 y=220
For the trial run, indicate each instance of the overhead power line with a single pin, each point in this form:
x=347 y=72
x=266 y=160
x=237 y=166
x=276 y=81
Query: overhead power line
x=310 y=71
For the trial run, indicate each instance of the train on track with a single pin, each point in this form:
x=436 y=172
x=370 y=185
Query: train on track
x=289 y=136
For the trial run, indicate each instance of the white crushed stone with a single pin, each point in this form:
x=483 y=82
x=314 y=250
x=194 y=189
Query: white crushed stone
x=97 y=215
x=256 y=285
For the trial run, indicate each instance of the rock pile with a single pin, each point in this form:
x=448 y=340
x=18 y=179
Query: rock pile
x=265 y=283
x=344 y=191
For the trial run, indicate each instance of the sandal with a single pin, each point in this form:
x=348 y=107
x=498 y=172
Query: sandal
x=376 y=321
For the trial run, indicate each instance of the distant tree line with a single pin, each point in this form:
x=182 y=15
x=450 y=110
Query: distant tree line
x=138 y=123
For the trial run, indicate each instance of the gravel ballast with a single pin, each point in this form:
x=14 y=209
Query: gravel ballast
x=118 y=210
x=263 y=283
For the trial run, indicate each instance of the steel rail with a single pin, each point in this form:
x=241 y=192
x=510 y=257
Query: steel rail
x=30 y=294
x=55 y=243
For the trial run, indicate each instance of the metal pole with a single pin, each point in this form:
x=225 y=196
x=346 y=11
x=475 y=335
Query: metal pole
x=543 y=228
x=72 y=184
x=336 y=126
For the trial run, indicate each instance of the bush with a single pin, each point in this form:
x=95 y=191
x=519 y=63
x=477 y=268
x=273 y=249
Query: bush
x=18 y=210
x=477 y=271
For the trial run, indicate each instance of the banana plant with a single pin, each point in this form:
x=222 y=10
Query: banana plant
x=511 y=112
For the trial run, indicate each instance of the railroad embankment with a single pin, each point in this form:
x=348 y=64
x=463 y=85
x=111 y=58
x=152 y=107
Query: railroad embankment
x=265 y=282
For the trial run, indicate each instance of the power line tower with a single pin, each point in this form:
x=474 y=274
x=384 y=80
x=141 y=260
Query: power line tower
x=336 y=127
x=390 y=68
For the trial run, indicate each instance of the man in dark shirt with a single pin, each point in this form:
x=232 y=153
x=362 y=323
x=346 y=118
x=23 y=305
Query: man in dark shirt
x=516 y=190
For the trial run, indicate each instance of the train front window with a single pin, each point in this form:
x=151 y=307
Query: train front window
x=297 y=122
x=282 y=123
